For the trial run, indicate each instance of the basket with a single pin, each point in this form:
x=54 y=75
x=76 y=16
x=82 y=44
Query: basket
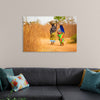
x=52 y=22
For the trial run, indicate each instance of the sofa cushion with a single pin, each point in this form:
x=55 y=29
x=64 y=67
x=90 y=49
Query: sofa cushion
x=9 y=71
x=74 y=93
x=36 y=93
x=91 y=81
x=69 y=76
x=38 y=76
x=18 y=82
x=1 y=89
x=3 y=78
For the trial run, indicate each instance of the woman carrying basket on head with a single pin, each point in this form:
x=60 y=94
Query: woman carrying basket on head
x=53 y=32
x=61 y=35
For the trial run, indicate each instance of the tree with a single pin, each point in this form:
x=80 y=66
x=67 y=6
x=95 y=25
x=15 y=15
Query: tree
x=70 y=19
x=60 y=18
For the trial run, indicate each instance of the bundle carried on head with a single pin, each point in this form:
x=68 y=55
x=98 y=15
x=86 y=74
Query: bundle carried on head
x=52 y=22
x=56 y=22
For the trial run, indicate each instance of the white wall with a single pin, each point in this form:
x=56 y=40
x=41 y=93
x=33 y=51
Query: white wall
x=11 y=33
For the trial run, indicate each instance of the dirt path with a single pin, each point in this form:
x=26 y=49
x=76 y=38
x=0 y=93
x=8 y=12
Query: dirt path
x=46 y=46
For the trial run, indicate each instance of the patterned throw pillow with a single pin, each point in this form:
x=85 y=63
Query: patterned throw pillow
x=18 y=82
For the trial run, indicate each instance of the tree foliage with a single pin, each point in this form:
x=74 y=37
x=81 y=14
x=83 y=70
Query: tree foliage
x=60 y=18
x=70 y=20
x=65 y=19
x=74 y=38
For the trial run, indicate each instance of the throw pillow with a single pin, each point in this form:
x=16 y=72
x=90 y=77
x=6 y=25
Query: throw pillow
x=3 y=78
x=84 y=75
x=18 y=82
x=9 y=71
x=91 y=81
x=1 y=89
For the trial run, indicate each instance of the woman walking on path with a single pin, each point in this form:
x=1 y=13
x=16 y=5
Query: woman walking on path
x=53 y=33
x=61 y=35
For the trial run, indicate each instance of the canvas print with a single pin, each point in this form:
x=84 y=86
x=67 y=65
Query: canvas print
x=49 y=33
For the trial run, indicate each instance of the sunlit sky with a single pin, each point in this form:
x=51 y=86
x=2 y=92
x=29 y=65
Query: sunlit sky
x=42 y=19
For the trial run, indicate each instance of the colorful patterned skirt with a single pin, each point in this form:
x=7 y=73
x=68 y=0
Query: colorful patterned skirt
x=53 y=37
x=61 y=38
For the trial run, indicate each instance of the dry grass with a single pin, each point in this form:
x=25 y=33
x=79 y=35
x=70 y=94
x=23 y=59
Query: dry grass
x=32 y=34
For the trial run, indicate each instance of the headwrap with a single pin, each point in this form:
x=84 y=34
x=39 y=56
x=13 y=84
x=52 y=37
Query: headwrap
x=62 y=29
